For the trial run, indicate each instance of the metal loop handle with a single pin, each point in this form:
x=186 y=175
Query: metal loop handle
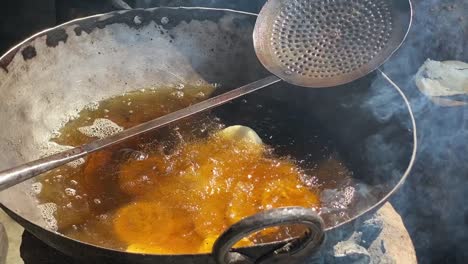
x=312 y=240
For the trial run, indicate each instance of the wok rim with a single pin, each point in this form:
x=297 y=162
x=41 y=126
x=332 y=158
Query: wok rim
x=12 y=52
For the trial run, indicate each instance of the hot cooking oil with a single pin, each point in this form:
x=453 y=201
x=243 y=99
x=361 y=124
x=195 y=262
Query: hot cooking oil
x=174 y=190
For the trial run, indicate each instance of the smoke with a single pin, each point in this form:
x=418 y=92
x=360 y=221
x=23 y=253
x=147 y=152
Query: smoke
x=432 y=202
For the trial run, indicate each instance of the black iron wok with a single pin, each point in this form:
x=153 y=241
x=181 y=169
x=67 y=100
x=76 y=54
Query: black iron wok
x=49 y=77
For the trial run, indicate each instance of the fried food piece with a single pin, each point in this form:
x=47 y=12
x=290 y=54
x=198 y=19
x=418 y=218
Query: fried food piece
x=99 y=183
x=204 y=168
x=186 y=199
x=241 y=133
x=137 y=178
x=94 y=173
x=183 y=238
x=147 y=223
x=176 y=245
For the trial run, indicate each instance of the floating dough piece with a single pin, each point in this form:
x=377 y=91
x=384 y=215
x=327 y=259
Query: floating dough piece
x=447 y=78
x=182 y=241
x=137 y=178
x=144 y=223
x=241 y=133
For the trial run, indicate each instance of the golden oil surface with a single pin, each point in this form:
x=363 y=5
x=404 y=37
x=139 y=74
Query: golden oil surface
x=175 y=190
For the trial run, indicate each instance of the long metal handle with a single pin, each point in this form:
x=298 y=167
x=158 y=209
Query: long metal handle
x=29 y=170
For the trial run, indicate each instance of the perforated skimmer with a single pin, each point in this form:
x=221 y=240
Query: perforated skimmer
x=322 y=43
x=311 y=43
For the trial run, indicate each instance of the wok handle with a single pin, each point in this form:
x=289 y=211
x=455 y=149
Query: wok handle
x=312 y=239
x=31 y=169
